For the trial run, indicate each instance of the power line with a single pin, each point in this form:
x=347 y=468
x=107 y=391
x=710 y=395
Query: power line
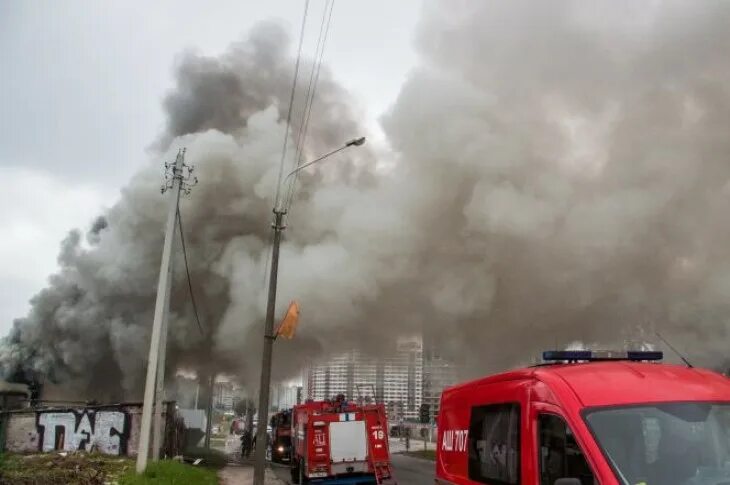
x=318 y=54
x=291 y=102
x=309 y=98
x=187 y=271
x=288 y=124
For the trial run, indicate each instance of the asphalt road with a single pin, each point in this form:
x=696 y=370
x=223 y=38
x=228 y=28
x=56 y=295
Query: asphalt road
x=413 y=471
x=407 y=470
x=282 y=472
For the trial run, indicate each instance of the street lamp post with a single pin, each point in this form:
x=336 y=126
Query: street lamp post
x=278 y=226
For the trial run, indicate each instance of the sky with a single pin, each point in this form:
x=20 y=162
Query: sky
x=81 y=95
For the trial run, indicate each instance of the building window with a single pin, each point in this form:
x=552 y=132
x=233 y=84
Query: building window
x=560 y=456
x=494 y=444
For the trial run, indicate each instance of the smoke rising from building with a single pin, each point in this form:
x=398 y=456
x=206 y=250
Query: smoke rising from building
x=561 y=176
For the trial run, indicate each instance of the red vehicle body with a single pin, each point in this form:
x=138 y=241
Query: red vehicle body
x=340 y=442
x=598 y=422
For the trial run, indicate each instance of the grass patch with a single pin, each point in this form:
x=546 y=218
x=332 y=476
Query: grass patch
x=211 y=458
x=427 y=454
x=96 y=469
x=170 y=473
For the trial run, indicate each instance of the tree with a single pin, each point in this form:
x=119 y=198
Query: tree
x=425 y=413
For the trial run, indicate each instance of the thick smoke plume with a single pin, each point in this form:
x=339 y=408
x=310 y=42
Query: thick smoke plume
x=562 y=175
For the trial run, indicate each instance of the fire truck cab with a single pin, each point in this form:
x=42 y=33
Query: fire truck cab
x=609 y=418
x=340 y=442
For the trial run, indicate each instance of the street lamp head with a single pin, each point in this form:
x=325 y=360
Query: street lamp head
x=355 y=142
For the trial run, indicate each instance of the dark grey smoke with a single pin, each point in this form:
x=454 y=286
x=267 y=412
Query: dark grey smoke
x=89 y=329
x=562 y=177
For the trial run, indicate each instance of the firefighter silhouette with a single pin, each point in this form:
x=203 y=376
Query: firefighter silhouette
x=246 y=443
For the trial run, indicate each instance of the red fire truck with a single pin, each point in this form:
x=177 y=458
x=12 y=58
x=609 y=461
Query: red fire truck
x=590 y=418
x=338 y=442
x=281 y=436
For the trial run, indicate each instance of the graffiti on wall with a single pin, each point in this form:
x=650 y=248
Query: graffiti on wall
x=73 y=430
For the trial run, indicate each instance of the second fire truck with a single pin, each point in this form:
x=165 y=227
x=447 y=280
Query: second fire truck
x=340 y=442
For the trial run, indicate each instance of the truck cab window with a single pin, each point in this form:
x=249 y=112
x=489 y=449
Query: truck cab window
x=494 y=444
x=560 y=456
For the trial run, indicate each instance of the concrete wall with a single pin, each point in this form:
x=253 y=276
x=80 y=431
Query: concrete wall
x=110 y=429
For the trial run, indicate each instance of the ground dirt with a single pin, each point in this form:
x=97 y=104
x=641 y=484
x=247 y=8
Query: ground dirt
x=61 y=469
x=236 y=474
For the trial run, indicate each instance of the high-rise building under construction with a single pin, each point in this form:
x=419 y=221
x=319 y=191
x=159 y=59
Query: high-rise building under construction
x=402 y=381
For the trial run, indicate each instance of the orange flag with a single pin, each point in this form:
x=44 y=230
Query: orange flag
x=288 y=325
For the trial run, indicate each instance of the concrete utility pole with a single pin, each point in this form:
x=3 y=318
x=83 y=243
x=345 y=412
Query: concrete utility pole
x=269 y=337
x=209 y=411
x=162 y=304
x=160 y=385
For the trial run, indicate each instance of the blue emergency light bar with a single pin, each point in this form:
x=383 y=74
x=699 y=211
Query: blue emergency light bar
x=597 y=355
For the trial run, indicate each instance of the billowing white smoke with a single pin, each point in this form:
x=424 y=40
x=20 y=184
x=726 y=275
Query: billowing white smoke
x=562 y=176
x=576 y=156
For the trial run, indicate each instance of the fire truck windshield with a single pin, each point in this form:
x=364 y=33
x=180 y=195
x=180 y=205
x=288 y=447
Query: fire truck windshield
x=665 y=444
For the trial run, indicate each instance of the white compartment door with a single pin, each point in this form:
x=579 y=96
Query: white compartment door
x=348 y=441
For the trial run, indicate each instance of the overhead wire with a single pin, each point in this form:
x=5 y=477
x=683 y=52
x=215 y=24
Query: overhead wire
x=187 y=272
x=310 y=96
x=286 y=132
x=314 y=72
x=291 y=103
